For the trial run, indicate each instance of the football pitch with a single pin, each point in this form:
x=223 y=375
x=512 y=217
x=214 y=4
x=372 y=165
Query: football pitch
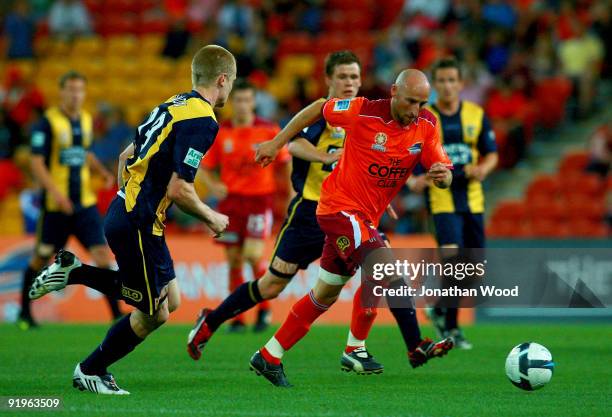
x=164 y=381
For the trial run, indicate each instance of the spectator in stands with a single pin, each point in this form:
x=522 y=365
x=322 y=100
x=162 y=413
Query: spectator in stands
x=602 y=26
x=499 y=13
x=177 y=40
x=115 y=137
x=202 y=11
x=581 y=58
x=19 y=29
x=600 y=146
x=6 y=145
x=69 y=18
x=236 y=17
x=477 y=80
x=21 y=101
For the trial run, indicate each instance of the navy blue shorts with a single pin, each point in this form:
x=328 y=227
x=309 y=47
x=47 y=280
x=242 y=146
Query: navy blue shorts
x=145 y=265
x=300 y=240
x=463 y=229
x=55 y=228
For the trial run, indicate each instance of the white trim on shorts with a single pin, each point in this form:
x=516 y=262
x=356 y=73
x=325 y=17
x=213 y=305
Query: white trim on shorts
x=356 y=229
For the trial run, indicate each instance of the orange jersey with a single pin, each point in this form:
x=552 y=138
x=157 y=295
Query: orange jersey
x=234 y=153
x=379 y=156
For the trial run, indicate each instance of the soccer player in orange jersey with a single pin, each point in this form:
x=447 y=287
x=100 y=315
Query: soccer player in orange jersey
x=385 y=139
x=248 y=203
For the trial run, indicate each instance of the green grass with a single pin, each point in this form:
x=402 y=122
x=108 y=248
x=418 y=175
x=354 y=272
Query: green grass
x=163 y=380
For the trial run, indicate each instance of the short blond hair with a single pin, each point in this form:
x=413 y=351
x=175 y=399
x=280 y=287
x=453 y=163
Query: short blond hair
x=210 y=62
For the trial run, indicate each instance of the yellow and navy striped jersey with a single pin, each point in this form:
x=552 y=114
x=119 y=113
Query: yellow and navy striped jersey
x=466 y=135
x=64 y=143
x=306 y=176
x=174 y=138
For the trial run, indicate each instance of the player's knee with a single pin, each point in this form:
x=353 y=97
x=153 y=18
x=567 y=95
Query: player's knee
x=270 y=286
x=173 y=303
x=161 y=315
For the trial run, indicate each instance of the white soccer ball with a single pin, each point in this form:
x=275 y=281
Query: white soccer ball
x=529 y=366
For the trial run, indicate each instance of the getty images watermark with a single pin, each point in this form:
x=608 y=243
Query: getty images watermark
x=492 y=278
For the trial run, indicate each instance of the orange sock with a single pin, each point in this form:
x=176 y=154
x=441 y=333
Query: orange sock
x=362 y=319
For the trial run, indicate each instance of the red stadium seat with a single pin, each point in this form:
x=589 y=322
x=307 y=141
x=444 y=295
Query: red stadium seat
x=295 y=43
x=546 y=186
x=588 y=185
x=579 y=208
x=544 y=208
x=508 y=229
x=574 y=162
x=546 y=228
x=514 y=211
x=551 y=96
x=588 y=229
x=349 y=5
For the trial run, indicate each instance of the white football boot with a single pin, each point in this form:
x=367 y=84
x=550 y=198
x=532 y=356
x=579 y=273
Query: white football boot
x=55 y=276
x=97 y=384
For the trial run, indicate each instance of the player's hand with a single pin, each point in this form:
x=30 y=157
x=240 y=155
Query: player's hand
x=417 y=184
x=391 y=212
x=440 y=175
x=330 y=158
x=64 y=203
x=266 y=152
x=218 y=190
x=217 y=222
x=474 y=172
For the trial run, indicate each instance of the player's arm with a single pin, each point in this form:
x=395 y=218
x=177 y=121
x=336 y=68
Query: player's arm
x=127 y=153
x=439 y=175
x=184 y=195
x=216 y=187
x=303 y=149
x=488 y=148
x=98 y=168
x=266 y=151
x=435 y=160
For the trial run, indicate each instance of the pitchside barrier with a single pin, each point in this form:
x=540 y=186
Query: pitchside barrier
x=203 y=279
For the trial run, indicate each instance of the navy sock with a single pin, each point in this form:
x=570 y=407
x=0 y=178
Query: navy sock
x=409 y=326
x=451 y=318
x=119 y=341
x=28 y=278
x=242 y=299
x=100 y=279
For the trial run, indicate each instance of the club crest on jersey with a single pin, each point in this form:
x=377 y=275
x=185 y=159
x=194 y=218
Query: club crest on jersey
x=415 y=149
x=379 y=142
x=343 y=242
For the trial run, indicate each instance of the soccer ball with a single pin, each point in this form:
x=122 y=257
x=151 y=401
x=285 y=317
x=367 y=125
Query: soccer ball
x=529 y=366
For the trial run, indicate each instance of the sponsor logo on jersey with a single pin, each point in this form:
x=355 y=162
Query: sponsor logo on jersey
x=388 y=176
x=415 y=149
x=337 y=133
x=131 y=294
x=342 y=105
x=193 y=158
x=380 y=139
x=228 y=145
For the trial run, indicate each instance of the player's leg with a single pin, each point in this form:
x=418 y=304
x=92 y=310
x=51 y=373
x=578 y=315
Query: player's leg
x=253 y=253
x=235 y=263
x=122 y=338
x=52 y=233
x=267 y=360
x=449 y=234
x=101 y=257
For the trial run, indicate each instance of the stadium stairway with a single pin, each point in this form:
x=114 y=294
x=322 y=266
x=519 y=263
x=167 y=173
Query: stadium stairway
x=545 y=153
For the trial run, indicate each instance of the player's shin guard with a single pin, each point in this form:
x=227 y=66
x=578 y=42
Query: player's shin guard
x=244 y=298
x=406 y=319
x=260 y=272
x=28 y=278
x=236 y=279
x=119 y=341
x=296 y=325
x=362 y=319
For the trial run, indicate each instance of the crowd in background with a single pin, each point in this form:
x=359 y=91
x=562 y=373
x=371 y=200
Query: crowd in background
x=531 y=63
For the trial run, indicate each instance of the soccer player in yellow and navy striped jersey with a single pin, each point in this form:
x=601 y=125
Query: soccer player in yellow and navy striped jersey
x=156 y=170
x=61 y=162
x=458 y=211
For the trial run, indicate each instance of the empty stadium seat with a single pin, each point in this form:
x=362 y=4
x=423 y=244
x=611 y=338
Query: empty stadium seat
x=510 y=210
x=574 y=162
x=544 y=185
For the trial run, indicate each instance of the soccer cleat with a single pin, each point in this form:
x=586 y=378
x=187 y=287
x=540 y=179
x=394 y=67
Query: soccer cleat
x=55 y=276
x=97 y=384
x=460 y=341
x=361 y=362
x=438 y=320
x=264 y=318
x=273 y=373
x=198 y=336
x=427 y=349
